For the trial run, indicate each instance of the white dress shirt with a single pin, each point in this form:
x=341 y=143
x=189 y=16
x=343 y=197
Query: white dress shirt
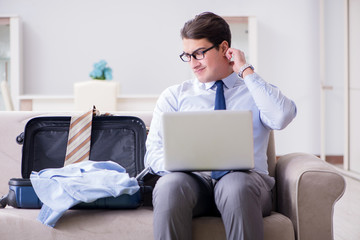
x=61 y=188
x=271 y=111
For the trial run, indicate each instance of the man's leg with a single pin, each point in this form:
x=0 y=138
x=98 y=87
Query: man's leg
x=178 y=197
x=243 y=198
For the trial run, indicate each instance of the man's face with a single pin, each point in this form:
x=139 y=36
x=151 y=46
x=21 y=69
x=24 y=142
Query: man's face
x=213 y=66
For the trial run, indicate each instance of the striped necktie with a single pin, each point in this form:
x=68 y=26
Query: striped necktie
x=220 y=104
x=78 y=146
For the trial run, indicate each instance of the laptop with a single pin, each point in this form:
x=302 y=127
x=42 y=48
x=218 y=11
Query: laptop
x=208 y=140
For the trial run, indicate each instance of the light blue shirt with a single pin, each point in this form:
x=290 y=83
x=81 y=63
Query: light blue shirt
x=61 y=188
x=271 y=111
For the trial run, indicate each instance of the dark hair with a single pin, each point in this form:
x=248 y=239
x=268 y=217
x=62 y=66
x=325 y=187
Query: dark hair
x=207 y=25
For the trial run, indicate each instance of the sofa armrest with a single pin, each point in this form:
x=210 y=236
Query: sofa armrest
x=307 y=190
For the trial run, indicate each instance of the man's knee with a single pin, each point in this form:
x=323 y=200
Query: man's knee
x=173 y=190
x=236 y=189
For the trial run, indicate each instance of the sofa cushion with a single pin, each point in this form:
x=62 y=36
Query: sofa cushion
x=126 y=224
x=78 y=224
x=276 y=227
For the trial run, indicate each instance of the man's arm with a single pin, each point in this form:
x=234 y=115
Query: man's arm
x=154 y=156
x=276 y=110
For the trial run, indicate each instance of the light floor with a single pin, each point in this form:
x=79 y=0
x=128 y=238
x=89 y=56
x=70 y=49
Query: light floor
x=347 y=212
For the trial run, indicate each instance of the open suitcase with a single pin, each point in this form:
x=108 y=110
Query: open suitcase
x=117 y=138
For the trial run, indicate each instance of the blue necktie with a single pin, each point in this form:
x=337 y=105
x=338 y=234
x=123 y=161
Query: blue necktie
x=219 y=105
x=219 y=98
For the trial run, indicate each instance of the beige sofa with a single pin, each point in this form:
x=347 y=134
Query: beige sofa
x=306 y=191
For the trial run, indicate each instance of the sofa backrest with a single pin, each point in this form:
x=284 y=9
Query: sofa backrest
x=271 y=155
x=271 y=165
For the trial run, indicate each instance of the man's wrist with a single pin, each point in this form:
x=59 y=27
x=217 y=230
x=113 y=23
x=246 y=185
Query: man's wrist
x=243 y=68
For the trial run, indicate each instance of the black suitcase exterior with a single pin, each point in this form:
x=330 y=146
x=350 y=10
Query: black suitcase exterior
x=117 y=138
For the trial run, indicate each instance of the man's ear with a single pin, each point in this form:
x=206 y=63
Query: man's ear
x=224 y=46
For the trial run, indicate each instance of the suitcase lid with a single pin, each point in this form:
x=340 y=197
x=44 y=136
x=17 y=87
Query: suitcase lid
x=117 y=138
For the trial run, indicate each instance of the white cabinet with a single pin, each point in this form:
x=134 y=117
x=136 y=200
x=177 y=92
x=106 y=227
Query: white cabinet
x=10 y=56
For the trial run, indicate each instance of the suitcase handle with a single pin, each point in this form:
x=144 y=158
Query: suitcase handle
x=143 y=173
x=9 y=199
x=20 y=139
x=3 y=201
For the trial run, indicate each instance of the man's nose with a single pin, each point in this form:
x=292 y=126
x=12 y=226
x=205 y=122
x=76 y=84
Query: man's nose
x=194 y=63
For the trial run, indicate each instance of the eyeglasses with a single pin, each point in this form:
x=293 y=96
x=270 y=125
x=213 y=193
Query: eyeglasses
x=198 y=54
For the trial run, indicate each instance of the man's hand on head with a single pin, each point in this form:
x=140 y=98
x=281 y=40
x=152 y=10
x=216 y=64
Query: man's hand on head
x=237 y=60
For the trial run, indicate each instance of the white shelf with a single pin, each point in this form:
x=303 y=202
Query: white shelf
x=129 y=102
x=71 y=97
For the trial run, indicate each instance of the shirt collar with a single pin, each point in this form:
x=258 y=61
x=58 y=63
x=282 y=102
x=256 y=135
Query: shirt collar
x=229 y=82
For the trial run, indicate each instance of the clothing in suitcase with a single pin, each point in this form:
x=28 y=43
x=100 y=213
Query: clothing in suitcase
x=120 y=139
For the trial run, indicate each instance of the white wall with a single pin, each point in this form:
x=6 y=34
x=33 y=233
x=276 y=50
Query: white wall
x=141 y=42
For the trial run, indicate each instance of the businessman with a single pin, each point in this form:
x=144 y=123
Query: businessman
x=241 y=198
